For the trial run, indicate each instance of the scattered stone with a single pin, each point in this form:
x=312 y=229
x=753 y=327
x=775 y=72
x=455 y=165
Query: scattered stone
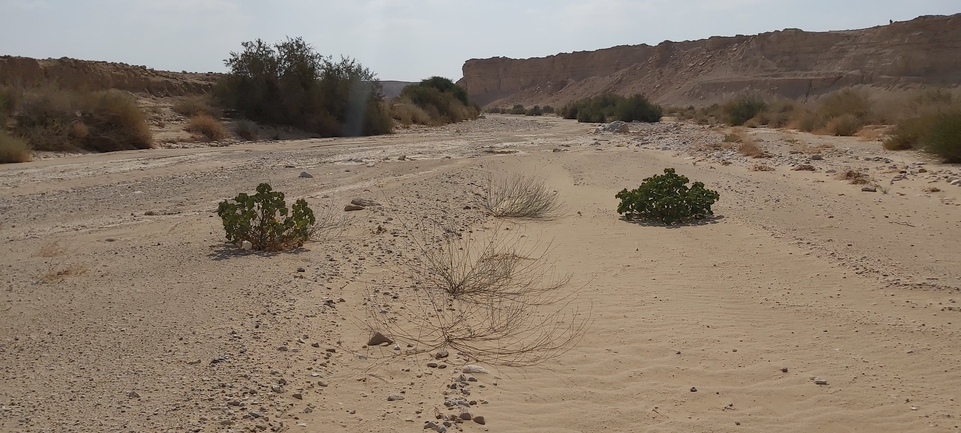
x=277 y=388
x=804 y=167
x=819 y=381
x=306 y=175
x=465 y=415
x=363 y=202
x=480 y=420
x=282 y=348
x=693 y=389
x=315 y=344
x=869 y=188
x=377 y=339
x=298 y=396
x=441 y=354
x=956 y=182
x=133 y=394
x=395 y=397
x=322 y=383
x=150 y=213
x=246 y=246
x=473 y=369
x=352 y=207
x=402 y=158
x=783 y=369
x=817 y=157
x=432 y=364
x=301 y=269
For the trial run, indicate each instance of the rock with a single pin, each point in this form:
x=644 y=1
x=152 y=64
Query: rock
x=480 y=420
x=377 y=339
x=133 y=394
x=277 y=388
x=465 y=415
x=441 y=354
x=804 y=167
x=817 y=157
x=783 y=369
x=819 y=381
x=693 y=389
x=956 y=182
x=322 y=383
x=429 y=425
x=364 y=202
x=432 y=364
x=473 y=369
x=254 y=414
x=869 y=188
x=395 y=397
x=352 y=207
x=246 y=246
x=298 y=396
x=402 y=158
x=306 y=175
x=150 y=213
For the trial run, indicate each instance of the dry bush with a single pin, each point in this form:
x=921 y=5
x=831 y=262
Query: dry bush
x=845 y=125
x=191 y=106
x=13 y=149
x=70 y=271
x=52 y=249
x=492 y=299
x=520 y=196
x=409 y=114
x=750 y=149
x=207 y=126
x=732 y=138
x=330 y=222
x=762 y=167
x=855 y=177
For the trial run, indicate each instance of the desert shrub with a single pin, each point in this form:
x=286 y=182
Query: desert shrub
x=750 y=149
x=844 y=125
x=638 y=108
x=13 y=149
x=262 y=219
x=610 y=107
x=535 y=111
x=517 y=109
x=548 y=109
x=207 y=126
x=289 y=83
x=855 y=177
x=667 y=198
x=846 y=101
x=743 y=107
x=520 y=196
x=191 y=106
x=436 y=98
x=944 y=137
x=51 y=119
x=246 y=129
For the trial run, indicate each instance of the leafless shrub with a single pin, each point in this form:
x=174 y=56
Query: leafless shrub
x=57 y=276
x=855 y=177
x=751 y=149
x=207 y=126
x=331 y=222
x=490 y=298
x=52 y=249
x=520 y=196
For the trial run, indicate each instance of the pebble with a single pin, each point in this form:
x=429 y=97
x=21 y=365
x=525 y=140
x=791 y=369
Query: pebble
x=441 y=354
x=819 y=381
x=693 y=389
x=474 y=369
x=377 y=339
x=306 y=175
x=783 y=369
x=395 y=397
x=352 y=207
x=869 y=188
x=301 y=269
x=322 y=384
x=298 y=396
x=246 y=245
x=480 y=420
x=277 y=388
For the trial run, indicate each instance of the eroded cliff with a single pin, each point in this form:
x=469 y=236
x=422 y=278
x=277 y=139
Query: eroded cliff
x=791 y=63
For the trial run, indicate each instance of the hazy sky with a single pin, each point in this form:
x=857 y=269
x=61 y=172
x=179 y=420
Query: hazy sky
x=407 y=39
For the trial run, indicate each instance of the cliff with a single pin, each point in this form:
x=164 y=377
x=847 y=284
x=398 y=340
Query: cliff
x=92 y=75
x=790 y=63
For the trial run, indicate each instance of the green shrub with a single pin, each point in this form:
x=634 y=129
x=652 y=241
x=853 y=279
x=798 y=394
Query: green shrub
x=548 y=109
x=288 y=83
x=666 y=198
x=262 y=219
x=517 y=109
x=944 y=137
x=742 y=108
x=638 y=108
x=13 y=149
x=908 y=133
x=845 y=101
x=535 y=111
x=434 y=101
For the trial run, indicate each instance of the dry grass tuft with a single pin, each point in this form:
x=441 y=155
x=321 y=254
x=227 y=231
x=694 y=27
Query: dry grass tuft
x=751 y=149
x=58 y=276
x=207 y=126
x=52 y=249
x=762 y=167
x=408 y=114
x=520 y=196
x=13 y=149
x=855 y=177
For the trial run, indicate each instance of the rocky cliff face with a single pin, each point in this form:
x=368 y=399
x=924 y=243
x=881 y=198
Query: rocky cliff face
x=791 y=63
x=89 y=75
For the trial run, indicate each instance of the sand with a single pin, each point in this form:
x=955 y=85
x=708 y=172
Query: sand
x=122 y=308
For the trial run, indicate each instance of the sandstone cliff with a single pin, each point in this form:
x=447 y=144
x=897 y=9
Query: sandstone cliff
x=90 y=75
x=791 y=63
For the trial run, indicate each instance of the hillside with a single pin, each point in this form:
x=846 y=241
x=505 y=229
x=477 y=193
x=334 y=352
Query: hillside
x=791 y=63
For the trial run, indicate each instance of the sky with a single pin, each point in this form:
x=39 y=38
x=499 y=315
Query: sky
x=408 y=40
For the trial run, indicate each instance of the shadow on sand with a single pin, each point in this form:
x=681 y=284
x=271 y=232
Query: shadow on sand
x=226 y=251
x=697 y=222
